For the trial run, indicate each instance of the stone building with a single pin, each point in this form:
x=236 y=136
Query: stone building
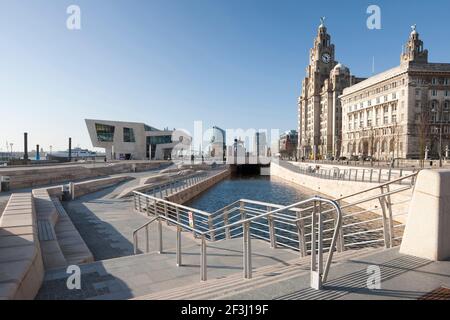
x=319 y=109
x=403 y=112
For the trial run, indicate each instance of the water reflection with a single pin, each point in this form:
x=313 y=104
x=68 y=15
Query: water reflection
x=257 y=188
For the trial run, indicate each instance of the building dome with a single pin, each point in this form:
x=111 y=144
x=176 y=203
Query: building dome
x=340 y=68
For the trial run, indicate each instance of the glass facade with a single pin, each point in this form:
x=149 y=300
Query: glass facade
x=159 y=140
x=105 y=133
x=128 y=135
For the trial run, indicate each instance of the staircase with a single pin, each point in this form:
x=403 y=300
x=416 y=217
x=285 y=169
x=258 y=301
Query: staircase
x=227 y=286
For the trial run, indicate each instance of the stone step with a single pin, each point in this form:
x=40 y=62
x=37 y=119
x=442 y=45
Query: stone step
x=229 y=285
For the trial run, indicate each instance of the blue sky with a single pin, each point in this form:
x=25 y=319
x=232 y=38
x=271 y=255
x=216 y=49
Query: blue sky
x=234 y=63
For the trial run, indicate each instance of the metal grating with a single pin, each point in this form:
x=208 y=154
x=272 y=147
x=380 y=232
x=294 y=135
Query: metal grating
x=437 y=294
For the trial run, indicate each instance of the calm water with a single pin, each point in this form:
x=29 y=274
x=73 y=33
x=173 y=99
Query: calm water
x=253 y=188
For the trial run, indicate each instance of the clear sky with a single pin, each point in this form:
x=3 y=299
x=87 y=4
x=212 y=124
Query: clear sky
x=230 y=63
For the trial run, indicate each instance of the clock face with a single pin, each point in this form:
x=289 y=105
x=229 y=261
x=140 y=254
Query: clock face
x=326 y=58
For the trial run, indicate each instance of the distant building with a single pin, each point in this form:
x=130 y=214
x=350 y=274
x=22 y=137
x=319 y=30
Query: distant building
x=217 y=144
x=403 y=112
x=237 y=153
x=260 y=147
x=137 y=141
x=288 y=144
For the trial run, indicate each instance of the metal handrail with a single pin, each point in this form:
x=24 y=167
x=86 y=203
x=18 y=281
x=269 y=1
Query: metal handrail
x=318 y=271
x=135 y=238
x=279 y=224
x=337 y=173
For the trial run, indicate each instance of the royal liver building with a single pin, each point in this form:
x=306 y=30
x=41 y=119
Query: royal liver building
x=401 y=113
x=319 y=108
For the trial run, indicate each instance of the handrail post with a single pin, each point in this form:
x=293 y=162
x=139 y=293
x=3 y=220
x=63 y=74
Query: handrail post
x=166 y=213
x=390 y=217
x=315 y=274
x=135 y=202
x=371 y=175
x=139 y=204
x=320 y=240
x=379 y=175
x=211 y=227
x=135 y=240
x=386 y=235
x=225 y=223
x=272 y=235
x=160 y=238
x=340 y=238
x=301 y=235
x=241 y=210
x=147 y=244
x=247 y=251
x=203 y=262
x=147 y=206
x=179 y=260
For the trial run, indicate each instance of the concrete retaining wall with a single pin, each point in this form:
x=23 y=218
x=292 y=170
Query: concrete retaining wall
x=337 y=189
x=21 y=266
x=185 y=195
x=27 y=177
x=427 y=233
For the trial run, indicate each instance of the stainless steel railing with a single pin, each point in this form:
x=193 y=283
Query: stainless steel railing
x=248 y=225
x=370 y=175
x=167 y=188
x=369 y=218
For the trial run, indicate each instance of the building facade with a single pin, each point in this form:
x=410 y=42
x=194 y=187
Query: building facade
x=401 y=113
x=217 y=144
x=288 y=144
x=319 y=109
x=260 y=146
x=136 y=141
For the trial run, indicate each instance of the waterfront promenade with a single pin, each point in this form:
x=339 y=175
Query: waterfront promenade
x=106 y=222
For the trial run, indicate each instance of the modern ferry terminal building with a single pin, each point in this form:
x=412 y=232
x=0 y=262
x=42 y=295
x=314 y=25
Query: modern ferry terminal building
x=134 y=141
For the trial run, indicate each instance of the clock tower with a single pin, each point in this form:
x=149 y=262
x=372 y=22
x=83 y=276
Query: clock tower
x=319 y=112
x=321 y=57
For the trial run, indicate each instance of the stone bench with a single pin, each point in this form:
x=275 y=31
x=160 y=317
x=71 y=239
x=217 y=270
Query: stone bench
x=21 y=266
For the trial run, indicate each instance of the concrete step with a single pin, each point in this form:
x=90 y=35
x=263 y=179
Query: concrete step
x=72 y=245
x=134 y=276
x=220 y=288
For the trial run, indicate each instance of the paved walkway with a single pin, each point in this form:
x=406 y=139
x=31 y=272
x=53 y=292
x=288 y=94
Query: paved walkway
x=402 y=278
x=107 y=224
x=130 y=277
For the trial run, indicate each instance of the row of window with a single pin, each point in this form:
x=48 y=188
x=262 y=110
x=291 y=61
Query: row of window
x=105 y=133
x=378 y=90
